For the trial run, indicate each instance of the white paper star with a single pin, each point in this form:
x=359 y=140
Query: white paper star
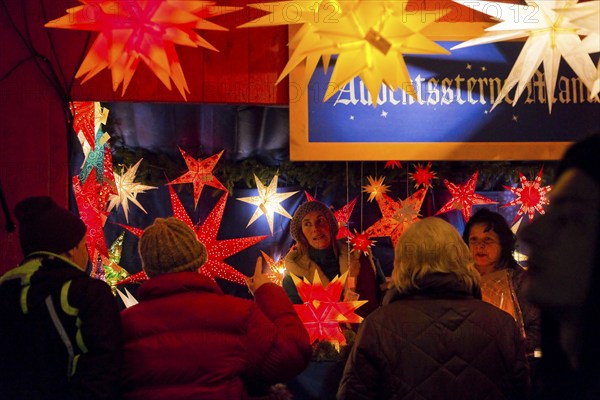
x=550 y=36
x=128 y=190
x=267 y=202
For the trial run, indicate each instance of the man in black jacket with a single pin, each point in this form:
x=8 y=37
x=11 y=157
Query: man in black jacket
x=60 y=330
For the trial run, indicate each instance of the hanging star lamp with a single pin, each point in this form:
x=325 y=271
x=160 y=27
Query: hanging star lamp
x=464 y=197
x=87 y=117
x=375 y=188
x=531 y=196
x=322 y=311
x=276 y=268
x=393 y=164
x=130 y=31
x=113 y=272
x=422 y=175
x=127 y=190
x=368 y=37
x=550 y=36
x=200 y=173
x=268 y=202
x=361 y=242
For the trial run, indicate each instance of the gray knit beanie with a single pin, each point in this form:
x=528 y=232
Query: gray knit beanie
x=169 y=245
x=305 y=208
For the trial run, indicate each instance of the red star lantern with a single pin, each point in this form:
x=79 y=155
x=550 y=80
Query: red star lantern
x=91 y=203
x=361 y=242
x=276 y=268
x=422 y=175
x=464 y=197
x=342 y=217
x=146 y=30
x=322 y=311
x=87 y=117
x=531 y=196
x=393 y=164
x=200 y=174
x=135 y=278
x=397 y=215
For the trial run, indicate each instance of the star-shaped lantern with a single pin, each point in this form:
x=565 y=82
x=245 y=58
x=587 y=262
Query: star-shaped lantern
x=361 y=242
x=393 y=164
x=550 y=36
x=127 y=190
x=267 y=202
x=422 y=175
x=342 y=217
x=87 y=117
x=113 y=272
x=370 y=38
x=146 y=30
x=396 y=216
x=200 y=173
x=531 y=196
x=276 y=268
x=218 y=250
x=464 y=197
x=375 y=188
x=322 y=311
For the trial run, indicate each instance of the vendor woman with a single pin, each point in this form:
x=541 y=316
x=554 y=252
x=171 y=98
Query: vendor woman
x=314 y=228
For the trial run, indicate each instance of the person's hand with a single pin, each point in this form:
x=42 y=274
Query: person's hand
x=258 y=279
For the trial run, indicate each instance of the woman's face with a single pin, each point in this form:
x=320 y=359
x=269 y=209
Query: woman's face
x=315 y=229
x=485 y=248
x=563 y=243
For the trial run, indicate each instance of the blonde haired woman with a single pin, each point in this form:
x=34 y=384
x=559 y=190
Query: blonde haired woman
x=434 y=338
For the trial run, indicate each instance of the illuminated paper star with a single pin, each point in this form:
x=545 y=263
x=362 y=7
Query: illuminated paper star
x=127 y=190
x=369 y=37
x=587 y=16
x=375 y=188
x=550 y=36
x=200 y=174
x=342 y=217
x=393 y=164
x=531 y=196
x=96 y=155
x=464 y=197
x=361 y=242
x=276 y=268
x=146 y=30
x=138 y=277
x=217 y=250
x=267 y=202
x=422 y=175
x=127 y=298
x=322 y=311
x=113 y=272
x=396 y=215
x=87 y=117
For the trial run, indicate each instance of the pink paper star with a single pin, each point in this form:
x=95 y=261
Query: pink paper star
x=397 y=215
x=200 y=174
x=464 y=197
x=531 y=196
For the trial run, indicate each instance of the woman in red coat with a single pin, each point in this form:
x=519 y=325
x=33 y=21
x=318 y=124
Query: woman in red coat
x=186 y=339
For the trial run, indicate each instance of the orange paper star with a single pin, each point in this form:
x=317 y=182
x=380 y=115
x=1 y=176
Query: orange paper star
x=375 y=188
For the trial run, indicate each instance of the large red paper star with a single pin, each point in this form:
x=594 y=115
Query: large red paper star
x=464 y=197
x=342 y=217
x=87 y=117
x=397 y=215
x=218 y=250
x=200 y=174
x=531 y=196
x=422 y=175
x=322 y=311
x=146 y=30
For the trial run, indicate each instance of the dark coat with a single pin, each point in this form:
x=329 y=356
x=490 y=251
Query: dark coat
x=49 y=308
x=440 y=342
x=186 y=339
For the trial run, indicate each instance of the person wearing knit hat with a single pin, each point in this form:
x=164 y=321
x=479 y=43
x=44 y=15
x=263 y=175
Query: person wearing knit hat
x=564 y=275
x=60 y=329
x=314 y=228
x=186 y=339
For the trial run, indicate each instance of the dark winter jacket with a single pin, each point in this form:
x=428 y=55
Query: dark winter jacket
x=186 y=339
x=440 y=342
x=60 y=333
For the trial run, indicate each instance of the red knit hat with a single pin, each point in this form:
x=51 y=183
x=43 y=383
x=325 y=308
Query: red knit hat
x=45 y=226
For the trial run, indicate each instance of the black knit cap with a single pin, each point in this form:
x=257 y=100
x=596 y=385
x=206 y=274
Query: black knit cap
x=45 y=226
x=583 y=155
x=305 y=208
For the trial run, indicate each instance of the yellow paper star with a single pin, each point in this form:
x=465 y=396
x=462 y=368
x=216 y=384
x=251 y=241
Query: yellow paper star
x=128 y=190
x=276 y=268
x=267 y=201
x=375 y=188
x=550 y=36
x=369 y=37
